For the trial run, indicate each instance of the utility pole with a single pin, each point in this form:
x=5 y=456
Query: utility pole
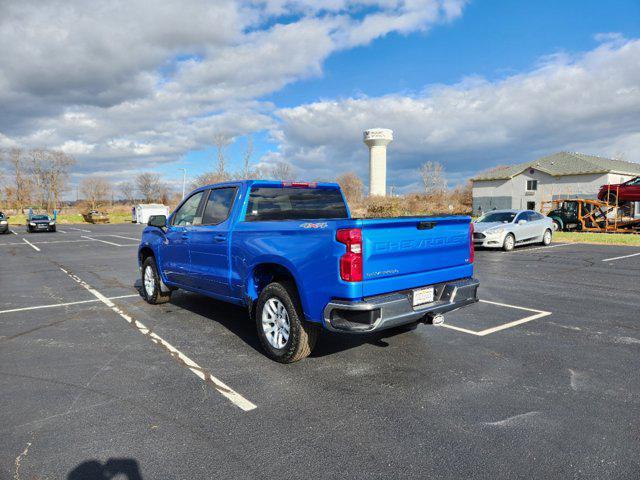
x=184 y=179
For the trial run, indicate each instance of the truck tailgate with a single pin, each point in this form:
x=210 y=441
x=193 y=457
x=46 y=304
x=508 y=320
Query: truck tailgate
x=404 y=253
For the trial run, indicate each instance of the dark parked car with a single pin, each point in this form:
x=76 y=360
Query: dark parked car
x=628 y=191
x=40 y=223
x=4 y=223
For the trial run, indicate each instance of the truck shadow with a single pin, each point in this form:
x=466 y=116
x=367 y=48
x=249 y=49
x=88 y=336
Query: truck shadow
x=236 y=320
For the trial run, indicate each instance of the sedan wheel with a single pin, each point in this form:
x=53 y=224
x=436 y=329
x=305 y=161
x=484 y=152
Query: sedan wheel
x=546 y=238
x=509 y=243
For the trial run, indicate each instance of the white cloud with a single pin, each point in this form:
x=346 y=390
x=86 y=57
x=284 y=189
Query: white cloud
x=589 y=102
x=121 y=84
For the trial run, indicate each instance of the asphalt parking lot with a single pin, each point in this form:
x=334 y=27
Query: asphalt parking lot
x=539 y=380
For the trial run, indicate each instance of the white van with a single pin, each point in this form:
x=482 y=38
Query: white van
x=140 y=213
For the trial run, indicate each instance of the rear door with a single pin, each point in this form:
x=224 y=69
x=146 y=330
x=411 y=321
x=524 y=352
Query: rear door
x=209 y=243
x=405 y=253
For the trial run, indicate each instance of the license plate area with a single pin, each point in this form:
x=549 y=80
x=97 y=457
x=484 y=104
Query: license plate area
x=422 y=295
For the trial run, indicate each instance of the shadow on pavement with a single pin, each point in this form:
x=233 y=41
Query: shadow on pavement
x=236 y=320
x=124 y=468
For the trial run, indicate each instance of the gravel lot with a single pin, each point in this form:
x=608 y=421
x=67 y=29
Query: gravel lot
x=539 y=380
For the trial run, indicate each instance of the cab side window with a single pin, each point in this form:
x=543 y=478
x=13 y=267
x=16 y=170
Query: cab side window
x=187 y=214
x=218 y=205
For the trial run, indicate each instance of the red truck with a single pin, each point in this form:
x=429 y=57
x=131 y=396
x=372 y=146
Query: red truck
x=628 y=191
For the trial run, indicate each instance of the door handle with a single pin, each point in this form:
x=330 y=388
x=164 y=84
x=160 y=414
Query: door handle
x=220 y=238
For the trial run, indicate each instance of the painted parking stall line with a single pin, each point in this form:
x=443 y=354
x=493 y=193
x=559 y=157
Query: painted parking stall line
x=620 y=258
x=66 y=304
x=30 y=244
x=226 y=391
x=103 y=241
x=525 y=250
x=481 y=333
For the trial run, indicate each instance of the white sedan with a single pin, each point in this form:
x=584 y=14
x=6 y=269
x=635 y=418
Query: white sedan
x=507 y=228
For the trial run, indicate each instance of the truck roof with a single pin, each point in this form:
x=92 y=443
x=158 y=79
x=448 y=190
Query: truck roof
x=269 y=183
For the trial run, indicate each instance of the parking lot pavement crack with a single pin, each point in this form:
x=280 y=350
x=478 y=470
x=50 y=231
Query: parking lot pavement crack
x=512 y=421
x=18 y=462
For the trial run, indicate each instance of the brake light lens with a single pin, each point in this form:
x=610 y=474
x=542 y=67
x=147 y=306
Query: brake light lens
x=300 y=184
x=351 y=261
x=472 y=248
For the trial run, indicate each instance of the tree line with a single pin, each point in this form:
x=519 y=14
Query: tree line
x=35 y=178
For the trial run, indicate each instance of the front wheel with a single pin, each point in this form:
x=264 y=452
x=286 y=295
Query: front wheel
x=284 y=334
x=546 y=237
x=509 y=242
x=151 y=286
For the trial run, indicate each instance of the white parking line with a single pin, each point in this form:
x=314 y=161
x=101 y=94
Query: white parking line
x=45 y=242
x=222 y=388
x=544 y=248
x=61 y=231
x=126 y=238
x=620 y=258
x=54 y=305
x=13 y=231
x=482 y=333
x=79 y=229
x=103 y=241
x=30 y=244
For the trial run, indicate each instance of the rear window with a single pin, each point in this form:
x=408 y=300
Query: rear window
x=294 y=204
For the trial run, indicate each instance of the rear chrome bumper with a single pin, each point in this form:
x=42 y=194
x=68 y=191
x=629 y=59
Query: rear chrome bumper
x=395 y=309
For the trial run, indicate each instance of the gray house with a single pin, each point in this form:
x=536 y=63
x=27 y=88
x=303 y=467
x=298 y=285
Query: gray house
x=557 y=176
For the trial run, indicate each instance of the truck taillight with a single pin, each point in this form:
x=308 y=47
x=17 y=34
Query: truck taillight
x=351 y=261
x=472 y=248
x=300 y=184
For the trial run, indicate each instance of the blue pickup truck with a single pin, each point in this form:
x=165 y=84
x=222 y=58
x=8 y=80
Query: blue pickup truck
x=291 y=253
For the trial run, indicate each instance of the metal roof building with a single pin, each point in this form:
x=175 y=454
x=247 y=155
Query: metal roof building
x=560 y=175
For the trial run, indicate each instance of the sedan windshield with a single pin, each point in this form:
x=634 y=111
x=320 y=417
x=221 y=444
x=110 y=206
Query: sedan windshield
x=40 y=217
x=504 y=217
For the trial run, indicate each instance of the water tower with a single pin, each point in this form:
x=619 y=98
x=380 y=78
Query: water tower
x=377 y=140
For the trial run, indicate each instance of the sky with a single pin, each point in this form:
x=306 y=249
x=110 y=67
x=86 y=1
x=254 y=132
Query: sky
x=133 y=86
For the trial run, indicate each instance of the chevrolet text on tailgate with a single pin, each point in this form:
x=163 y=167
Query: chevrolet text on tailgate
x=291 y=253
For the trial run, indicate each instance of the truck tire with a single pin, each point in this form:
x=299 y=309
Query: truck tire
x=151 y=290
x=284 y=334
x=509 y=242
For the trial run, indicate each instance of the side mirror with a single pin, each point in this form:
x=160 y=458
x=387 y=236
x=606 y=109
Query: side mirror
x=159 y=221
x=521 y=222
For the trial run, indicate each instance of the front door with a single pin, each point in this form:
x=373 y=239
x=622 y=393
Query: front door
x=175 y=261
x=209 y=243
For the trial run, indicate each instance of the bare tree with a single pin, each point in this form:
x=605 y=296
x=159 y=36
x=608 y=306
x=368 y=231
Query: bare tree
x=149 y=186
x=96 y=190
x=246 y=170
x=221 y=142
x=352 y=187
x=281 y=171
x=432 y=175
x=20 y=193
x=127 y=190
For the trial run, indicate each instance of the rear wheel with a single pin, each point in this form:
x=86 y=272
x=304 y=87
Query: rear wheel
x=556 y=226
x=284 y=334
x=151 y=286
x=509 y=242
x=546 y=237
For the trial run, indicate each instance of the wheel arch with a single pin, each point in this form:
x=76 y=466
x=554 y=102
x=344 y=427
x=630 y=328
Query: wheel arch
x=264 y=273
